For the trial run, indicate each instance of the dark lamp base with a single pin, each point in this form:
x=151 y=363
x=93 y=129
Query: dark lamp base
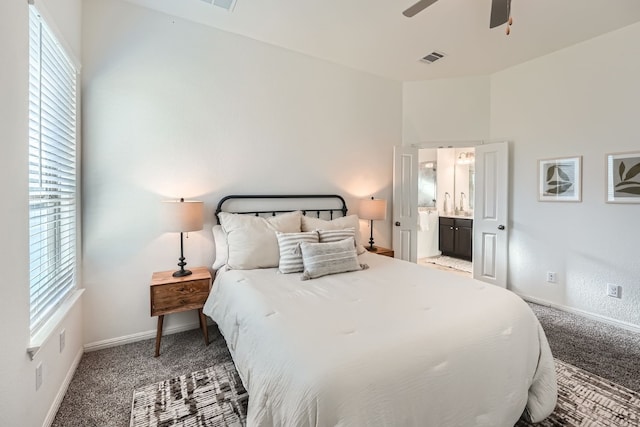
x=181 y=273
x=371 y=248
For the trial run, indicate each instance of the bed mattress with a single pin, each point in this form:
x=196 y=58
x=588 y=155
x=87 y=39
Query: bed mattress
x=397 y=344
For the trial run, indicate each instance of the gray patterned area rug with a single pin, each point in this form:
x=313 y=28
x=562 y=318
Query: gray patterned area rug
x=586 y=400
x=212 y=397
x=215 y=397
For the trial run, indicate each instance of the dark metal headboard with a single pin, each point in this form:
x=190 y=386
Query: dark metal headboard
x=337 y=200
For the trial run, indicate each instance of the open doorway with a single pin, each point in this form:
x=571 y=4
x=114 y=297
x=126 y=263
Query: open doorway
x=488 y=211
x=446 y=186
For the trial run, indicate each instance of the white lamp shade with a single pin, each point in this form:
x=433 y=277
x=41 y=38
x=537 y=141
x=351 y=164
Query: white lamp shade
x=373 y=209
x=183 y=216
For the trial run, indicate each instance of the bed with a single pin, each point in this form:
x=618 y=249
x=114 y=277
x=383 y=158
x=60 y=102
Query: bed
x=394 y=344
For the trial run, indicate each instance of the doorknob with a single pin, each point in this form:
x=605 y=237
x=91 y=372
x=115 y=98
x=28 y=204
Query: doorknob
x=501 y=227
x=397 y=223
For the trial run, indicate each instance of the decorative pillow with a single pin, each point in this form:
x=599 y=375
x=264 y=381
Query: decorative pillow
x=222 y=249
x=290 y=254
x=252 y=239
x=320 y=259
x=350 y=221
x=329 y=236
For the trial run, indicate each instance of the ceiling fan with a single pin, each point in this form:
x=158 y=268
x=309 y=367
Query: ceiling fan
x=500 y=11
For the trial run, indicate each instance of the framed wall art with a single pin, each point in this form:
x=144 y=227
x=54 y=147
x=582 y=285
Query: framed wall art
x=560 y=179
x=623 y=177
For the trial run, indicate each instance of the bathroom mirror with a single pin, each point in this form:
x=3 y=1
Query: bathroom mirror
x=427 y=183
x=464 y=180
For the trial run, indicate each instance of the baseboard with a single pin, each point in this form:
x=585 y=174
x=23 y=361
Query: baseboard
x=53 y=410
x=140 y=336
x=597 y=317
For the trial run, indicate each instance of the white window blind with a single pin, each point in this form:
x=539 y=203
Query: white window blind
x=52 y=172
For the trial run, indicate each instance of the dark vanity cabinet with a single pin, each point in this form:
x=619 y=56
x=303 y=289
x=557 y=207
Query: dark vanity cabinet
x=456 y=237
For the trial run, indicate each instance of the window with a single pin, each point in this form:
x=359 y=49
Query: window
x=52 y=172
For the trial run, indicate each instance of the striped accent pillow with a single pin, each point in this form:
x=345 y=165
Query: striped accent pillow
x=320 y=259
x=329 y=236
x=290 y=255
x=310 y=223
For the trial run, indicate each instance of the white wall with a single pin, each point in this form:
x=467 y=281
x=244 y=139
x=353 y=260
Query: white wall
x=574 y=102
x=20 y=404
x=172 y=109
x=446 y=110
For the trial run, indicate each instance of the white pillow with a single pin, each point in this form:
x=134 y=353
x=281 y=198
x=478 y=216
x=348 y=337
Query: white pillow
x=351 y=221
x=321 y=259
x=290 y=254
x=222 y=249
x=252 y=240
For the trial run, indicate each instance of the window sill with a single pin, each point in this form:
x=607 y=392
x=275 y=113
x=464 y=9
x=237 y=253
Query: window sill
x=46 y=332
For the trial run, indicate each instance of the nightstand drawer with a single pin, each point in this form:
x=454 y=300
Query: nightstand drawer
x=174 y=297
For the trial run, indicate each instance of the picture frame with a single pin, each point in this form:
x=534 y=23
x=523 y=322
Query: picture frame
x=623 y=177
x=560 y=179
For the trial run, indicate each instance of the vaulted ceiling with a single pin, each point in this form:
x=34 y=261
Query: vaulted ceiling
x=374 y=36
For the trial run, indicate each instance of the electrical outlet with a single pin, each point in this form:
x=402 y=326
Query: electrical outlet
x=62 y=340
x=38 y=376
x=613 y=290
x=551 y=277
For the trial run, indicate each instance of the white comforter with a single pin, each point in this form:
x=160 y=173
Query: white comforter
x=395 y=345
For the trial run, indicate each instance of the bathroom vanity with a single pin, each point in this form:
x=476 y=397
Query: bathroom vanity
x=456 y=236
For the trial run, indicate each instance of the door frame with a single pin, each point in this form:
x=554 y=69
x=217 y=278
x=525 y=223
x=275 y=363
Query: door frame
x=460 y=144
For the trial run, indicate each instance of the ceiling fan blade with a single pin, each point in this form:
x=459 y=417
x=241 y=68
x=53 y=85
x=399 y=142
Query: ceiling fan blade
x=418 y=7
x=500 y=11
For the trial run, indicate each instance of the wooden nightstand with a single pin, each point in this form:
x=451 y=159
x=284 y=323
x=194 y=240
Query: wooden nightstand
x=175 y=294
x=381 y=251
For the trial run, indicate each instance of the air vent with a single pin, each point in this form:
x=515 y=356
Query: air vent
x=432 y=57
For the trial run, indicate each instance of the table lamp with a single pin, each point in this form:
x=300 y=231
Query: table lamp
x=372 y=210
x=182 y=216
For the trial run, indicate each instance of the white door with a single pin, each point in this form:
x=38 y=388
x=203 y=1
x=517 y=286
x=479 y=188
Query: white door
x=490 y=221
x=405 y=203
